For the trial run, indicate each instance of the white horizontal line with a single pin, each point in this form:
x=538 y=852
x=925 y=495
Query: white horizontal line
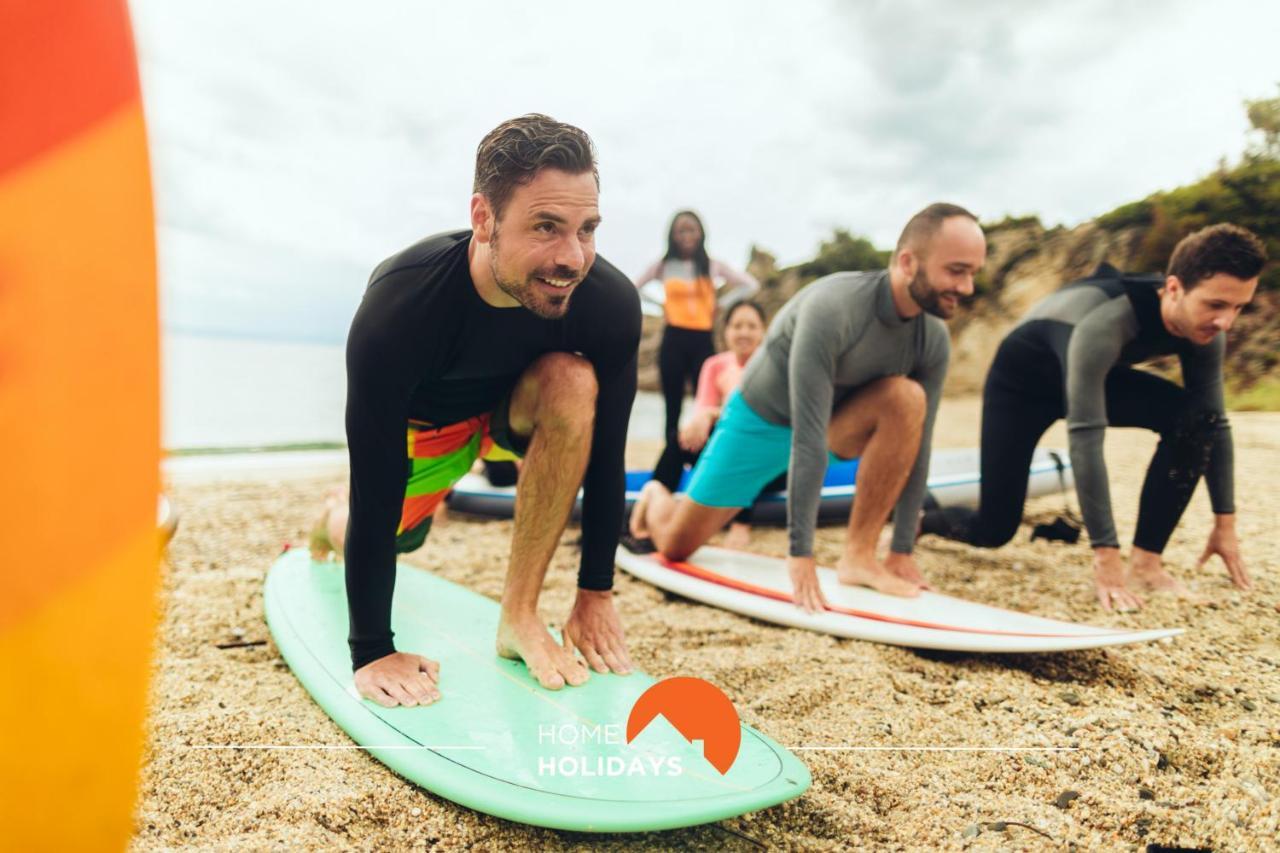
x=936 y=748
x=316 y=746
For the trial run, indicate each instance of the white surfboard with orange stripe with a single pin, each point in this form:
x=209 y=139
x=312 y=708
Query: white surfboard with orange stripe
x=759 y=587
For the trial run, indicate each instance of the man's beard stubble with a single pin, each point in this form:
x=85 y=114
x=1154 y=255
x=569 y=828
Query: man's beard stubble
x=926 y=296
x=527 y=293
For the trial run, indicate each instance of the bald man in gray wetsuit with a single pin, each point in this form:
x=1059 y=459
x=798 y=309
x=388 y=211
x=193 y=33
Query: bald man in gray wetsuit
x=852 y=366
x=1071 y=356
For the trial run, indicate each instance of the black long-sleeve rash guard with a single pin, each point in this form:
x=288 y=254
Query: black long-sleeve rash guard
x=425 y=346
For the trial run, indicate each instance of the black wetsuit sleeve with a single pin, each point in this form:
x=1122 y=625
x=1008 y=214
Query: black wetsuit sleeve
x=608 y=334
x=381 y=376
x=1202 y=377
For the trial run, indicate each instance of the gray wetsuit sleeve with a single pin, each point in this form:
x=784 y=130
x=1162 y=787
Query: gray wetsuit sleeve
x=930 y=376
x=819 y=337
x=1094 y=348
x=1202 y=376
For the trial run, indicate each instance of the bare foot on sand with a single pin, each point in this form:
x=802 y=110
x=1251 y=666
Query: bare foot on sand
x=639 y=524
x=324 y=541
x=738 y=537
x=528 y=640
x=868 y=571
x=1159 y=580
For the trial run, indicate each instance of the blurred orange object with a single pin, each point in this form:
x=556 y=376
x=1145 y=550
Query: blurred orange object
x=79 y=424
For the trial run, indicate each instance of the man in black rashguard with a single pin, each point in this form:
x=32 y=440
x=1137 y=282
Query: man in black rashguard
x=512 y=337
x=1071 y=357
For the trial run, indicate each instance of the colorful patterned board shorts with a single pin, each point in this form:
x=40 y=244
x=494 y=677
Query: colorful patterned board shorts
x=438 y=457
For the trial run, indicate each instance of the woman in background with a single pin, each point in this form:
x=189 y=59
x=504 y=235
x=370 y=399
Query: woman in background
x=688 y=275
x=744 y=329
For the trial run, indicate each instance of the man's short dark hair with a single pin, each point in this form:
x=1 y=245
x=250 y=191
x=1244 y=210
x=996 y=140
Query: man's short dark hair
x=921 y=227
x=513 y=152
x=1217 y=249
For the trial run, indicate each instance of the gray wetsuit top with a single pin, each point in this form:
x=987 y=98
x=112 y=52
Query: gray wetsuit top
x=833 y=337
x=1096 y=324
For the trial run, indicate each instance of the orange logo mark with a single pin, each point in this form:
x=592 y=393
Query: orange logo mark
x=698 y=710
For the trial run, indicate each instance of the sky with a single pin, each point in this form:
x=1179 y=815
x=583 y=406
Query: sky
x=294 y=146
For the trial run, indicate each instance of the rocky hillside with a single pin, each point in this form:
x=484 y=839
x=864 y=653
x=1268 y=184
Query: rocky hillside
x=1027 y=261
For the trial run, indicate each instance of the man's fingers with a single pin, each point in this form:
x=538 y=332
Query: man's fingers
x=429 y=687
x=375 y=693
x=809 y=597
x=1239 y=575
x=1128 y=600
x=611 y=661
x=615 y=655
x=422 y=690
x=398 y=693
x=430 y=667
x=1204 y=558
x=1104 y=598
x=594 y=658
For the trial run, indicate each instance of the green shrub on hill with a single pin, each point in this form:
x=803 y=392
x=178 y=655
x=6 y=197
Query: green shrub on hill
x=1247 y=194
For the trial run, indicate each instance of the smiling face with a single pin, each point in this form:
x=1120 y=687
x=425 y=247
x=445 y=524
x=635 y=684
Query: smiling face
x=543 y=245
x=1210 y=307
x=743 y=331
x=942 y=271
x=686 y=235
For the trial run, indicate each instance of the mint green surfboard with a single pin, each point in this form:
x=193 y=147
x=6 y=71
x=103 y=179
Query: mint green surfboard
x=497 y=742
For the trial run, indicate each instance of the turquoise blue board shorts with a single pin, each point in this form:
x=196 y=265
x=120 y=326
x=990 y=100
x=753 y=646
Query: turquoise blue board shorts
x=744 y=453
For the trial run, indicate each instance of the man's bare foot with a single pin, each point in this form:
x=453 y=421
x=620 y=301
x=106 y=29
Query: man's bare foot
x=1154 y=578
x=870 y=572
x=319 y=540
x=639 y=524
x=738 y=537
x=551 y=663
x=904 y=566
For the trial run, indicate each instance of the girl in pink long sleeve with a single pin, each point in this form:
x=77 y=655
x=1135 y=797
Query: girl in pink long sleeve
x=743 y=331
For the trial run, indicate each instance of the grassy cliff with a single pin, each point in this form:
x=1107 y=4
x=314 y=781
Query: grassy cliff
x=1027 y=261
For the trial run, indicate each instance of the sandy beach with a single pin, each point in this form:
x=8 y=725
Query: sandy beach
x=1171 y=743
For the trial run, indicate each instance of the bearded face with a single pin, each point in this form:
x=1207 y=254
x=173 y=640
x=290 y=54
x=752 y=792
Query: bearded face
x=938 y=301
x=545 y=290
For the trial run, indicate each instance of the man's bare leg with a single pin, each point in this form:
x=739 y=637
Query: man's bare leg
x=677 y=525
x=881 y=424
x=554 y=402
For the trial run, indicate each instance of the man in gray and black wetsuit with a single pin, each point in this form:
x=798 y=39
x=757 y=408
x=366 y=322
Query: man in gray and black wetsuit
x=852 y=365
x=1071 y=357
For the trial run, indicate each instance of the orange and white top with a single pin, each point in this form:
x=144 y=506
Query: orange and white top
x=690 y=299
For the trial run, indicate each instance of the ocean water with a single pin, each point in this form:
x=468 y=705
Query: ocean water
x=236 y=392
x=229 y=392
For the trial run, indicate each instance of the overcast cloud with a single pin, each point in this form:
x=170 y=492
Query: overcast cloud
x=296 y=145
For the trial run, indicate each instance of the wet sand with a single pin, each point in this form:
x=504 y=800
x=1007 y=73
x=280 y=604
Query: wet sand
x=1174 y=743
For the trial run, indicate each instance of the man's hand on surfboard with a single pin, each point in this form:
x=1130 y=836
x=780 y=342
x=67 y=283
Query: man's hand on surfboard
x=1223 y=542
x=1108 y=581
x=596 y=631
x=526 y=638
x=399 y=678
x=806 y=592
